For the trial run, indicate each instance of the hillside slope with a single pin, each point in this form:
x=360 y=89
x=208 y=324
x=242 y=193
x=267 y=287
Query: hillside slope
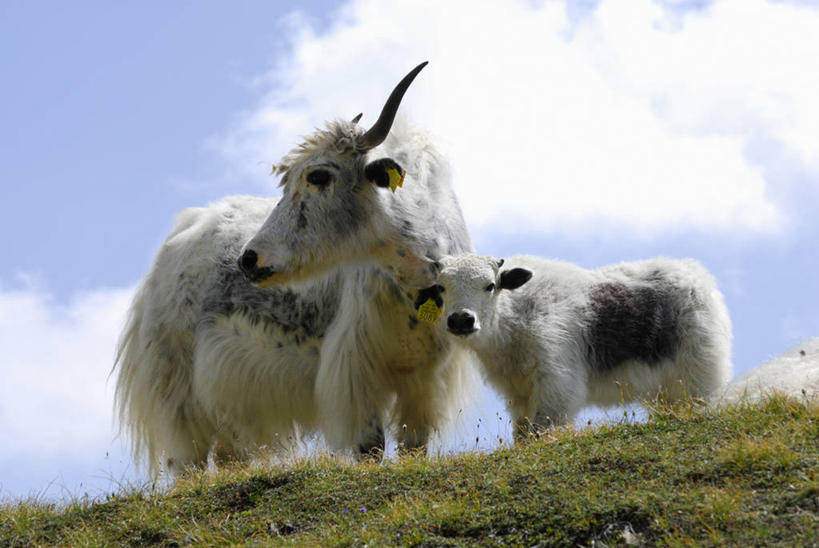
x=740 y=475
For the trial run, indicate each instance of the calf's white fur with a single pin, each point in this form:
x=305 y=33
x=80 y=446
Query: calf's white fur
x=554 y=338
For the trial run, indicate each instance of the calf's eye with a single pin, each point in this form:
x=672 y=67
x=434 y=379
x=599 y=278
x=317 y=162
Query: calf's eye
x=319 y=177
x=490 y=288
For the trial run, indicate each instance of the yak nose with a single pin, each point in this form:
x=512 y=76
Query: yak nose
x=249 y=265
x=247 y=262
x=461 y=323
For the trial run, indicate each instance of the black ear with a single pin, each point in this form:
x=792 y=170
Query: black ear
x=514 y=278
x=383 y=172
x=432 y=292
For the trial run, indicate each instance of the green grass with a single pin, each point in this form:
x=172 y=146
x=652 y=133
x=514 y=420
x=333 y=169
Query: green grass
x=744 y=475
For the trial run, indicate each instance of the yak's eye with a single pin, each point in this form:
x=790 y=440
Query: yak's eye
x=490 y=288
x=319 y=177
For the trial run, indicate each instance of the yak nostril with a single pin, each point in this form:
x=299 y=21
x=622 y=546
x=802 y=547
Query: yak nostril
x=248 y=260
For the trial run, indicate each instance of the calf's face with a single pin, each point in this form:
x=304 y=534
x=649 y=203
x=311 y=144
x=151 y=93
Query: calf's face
x=467 y=289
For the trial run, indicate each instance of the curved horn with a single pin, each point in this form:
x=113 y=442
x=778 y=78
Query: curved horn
x=357 y=118
x=378 y=132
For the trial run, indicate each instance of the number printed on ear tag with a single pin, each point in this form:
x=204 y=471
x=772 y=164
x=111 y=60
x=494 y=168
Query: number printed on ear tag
x=429 y=311
x=396 y=179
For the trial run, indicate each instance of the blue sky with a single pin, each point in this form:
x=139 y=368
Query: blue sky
x=595 y=133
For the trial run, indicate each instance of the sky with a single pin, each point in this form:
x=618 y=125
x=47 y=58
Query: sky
x=593 y=131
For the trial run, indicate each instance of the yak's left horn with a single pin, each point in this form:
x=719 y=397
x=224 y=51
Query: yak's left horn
x=381 y=128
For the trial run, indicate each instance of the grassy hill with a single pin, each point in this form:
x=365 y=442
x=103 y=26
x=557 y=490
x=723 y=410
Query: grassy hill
x=743 y=475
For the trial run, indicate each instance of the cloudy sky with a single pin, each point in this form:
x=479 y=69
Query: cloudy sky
x=590 y=131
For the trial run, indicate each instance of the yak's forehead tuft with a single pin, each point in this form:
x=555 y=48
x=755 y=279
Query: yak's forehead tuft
x=338 y=138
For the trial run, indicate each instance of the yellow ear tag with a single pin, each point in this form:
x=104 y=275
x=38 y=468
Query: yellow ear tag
x=396 y=179
x=429 y=311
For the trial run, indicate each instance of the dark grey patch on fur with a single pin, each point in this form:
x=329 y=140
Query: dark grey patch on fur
x=394 y=289
x=544 y=421
x=372 y=447
x=300 y=316
x=348 y=212
x=302 y=222
x=413 y=322
x=527 y=311
x=632 y=323
x=407 y=230
x=401 y=252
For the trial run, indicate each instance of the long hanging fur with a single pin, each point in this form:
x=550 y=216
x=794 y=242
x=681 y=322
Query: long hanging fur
x=209 y=362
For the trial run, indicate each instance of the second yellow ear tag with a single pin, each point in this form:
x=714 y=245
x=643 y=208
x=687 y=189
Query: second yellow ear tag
x=396 y=179
x=429 y=311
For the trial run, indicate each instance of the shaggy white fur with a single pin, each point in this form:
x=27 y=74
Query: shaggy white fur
x=210 y=362
x=794 y=373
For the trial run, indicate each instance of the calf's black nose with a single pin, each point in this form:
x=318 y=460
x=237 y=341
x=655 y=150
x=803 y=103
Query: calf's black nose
x=248 y=260
x=461 y=323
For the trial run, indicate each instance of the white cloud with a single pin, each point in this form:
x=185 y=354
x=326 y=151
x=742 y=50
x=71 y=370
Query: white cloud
x=635 y=114
x=55 y=403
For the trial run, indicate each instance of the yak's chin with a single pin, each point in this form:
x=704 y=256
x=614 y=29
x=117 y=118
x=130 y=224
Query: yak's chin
x=275 y=279
x=296 y=277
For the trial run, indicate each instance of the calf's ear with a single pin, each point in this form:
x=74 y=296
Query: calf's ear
x=514 y=278
x=432 y=292
x=385 y=173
